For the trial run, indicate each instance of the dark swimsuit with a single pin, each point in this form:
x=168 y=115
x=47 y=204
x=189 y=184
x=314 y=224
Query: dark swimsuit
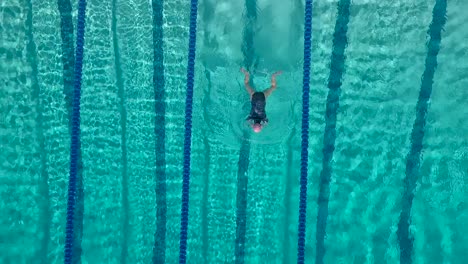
x=257 y=112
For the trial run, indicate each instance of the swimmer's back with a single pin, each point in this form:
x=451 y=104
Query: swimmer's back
x=258 y=103
x=258 y=118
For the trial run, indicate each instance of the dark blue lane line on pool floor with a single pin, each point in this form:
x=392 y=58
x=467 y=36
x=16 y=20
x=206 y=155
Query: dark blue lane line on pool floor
x=244 y=152
x=123 y=137
x=68 y=56
x=288 y=193
x=405 y=239
x=68 y=61
x=208 y=13
x=206 y=176
x=248 y=49
x=241 y=200
x=44 y=204
x=340 y=41
x=159 y=249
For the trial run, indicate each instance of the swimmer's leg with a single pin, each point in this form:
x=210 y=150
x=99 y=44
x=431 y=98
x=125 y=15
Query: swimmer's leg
x=246 y=82
x=268 y=91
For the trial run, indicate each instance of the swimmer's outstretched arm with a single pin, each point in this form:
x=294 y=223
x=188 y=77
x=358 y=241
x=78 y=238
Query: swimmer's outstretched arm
x=246 y=82
x=268 y=91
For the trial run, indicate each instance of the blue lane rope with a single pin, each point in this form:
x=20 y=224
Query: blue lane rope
x=405 y=238
x=75 y=132
x=68 y=61
x=305 y=132
x=188 y=132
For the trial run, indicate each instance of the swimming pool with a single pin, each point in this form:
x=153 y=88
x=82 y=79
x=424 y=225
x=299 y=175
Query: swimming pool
x=369 y=125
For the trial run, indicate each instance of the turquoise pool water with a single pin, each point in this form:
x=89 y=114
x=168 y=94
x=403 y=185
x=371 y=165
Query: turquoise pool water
x=126 y=168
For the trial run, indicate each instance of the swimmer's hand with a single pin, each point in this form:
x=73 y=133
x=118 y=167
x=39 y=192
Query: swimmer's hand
x=247 y=75
x=244 y=71
x=246 y=81
x=268 y=91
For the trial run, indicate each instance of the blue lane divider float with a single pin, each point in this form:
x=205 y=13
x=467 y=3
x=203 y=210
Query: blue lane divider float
x=188 y=132
x=405 y=238
x=75 y=132
x=68 y=61
x=305 y=132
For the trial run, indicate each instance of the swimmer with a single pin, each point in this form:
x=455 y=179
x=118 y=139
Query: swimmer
x=257 y=117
